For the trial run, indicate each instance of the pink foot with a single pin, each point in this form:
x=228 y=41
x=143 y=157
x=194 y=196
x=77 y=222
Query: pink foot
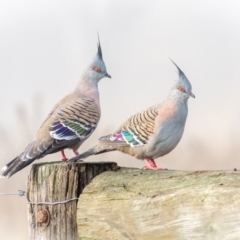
x=151 y=165
x=77 y=154
x=64 y=158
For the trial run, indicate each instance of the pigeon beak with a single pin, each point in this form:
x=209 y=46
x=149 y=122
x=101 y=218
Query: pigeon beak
x=191 y=95
x=107 y=75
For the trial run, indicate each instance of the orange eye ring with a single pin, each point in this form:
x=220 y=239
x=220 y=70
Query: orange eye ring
x=97 y=69
x=181 y=89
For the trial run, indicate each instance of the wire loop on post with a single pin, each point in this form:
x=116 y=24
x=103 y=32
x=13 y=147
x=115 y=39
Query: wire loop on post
x=52 y=203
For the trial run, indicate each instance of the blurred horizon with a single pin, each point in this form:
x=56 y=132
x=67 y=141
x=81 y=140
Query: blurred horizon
x=46 y=45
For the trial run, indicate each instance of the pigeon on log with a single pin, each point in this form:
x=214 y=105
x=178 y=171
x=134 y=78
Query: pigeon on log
x=153 y=132
x=71 y=121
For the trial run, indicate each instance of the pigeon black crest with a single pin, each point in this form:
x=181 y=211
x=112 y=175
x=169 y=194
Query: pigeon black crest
x=180 y=71
x=99 y=49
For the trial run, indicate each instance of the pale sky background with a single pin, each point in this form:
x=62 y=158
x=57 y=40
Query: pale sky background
x=44 y=46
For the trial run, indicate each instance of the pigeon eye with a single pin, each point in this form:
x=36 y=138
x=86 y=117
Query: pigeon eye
x=181 y=89
x=97 y=69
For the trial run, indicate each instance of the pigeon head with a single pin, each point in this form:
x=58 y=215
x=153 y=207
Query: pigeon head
x=182 y=88
x=97 y=69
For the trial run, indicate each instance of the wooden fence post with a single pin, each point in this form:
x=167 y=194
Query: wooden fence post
x=58 y=182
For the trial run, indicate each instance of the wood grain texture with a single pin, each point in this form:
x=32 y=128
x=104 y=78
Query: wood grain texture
x=133 y=204
x=55 y=182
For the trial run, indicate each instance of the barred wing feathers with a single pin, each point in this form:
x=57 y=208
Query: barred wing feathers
x=75 y=121
x=136 y=131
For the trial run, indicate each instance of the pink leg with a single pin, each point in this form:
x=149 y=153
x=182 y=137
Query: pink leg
x=151 y=165
x=77 y=153
x=64 y=158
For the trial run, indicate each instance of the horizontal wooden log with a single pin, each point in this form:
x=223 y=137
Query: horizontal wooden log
x=152 y=205
x=58 y=182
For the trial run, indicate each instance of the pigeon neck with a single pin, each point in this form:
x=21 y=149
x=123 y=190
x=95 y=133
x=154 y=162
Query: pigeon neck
x=177 y=97
x=88 y=88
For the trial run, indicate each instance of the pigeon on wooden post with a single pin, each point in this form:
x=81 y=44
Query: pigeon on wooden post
x=71 y=121
x=153 y=132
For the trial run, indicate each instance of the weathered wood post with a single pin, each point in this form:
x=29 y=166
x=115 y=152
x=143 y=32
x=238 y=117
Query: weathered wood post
x=154 y=205
x=52 y=190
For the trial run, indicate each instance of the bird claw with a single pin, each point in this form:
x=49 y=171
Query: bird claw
x=64 y=158
x=75 y=159
x=151 y=165
x=153 y=168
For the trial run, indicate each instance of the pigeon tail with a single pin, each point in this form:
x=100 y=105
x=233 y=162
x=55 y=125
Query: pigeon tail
x=98 y=149
x=14 y=166
x=33 y=151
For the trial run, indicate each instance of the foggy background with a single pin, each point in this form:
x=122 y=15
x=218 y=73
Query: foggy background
x=44 y=46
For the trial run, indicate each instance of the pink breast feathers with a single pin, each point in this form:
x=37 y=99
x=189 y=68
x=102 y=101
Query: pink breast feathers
x=167 y=111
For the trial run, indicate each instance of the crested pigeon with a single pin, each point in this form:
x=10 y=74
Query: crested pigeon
x=71 y=121
x=153 y=132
